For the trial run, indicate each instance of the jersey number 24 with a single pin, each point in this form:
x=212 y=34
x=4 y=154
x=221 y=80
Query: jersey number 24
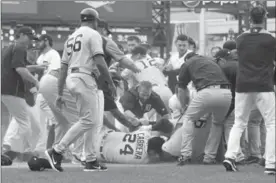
x=74 y=44
x=130 y=138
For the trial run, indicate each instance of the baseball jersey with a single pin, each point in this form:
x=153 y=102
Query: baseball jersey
x=81 y=47
x=120 y=147
x=149 y=72
x=173 y=145
x=50 y=59
x=177 y=61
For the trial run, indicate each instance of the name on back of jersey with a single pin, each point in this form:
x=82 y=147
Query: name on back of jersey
x=140 y=146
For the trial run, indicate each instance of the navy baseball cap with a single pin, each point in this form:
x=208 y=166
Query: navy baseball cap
x=89 y=14
x=27 y=31
x=46 y=37
x=230 y=45
x=103 y=24
x=38 y=164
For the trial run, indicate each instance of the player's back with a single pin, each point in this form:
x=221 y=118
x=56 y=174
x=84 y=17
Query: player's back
x=149 y=72
x=80 y=48
x=131 y=148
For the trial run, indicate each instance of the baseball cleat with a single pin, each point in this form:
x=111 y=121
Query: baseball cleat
x=94 y=166
x=54 y=159
x=230 y=165
x=270 y=171
x=183 y=160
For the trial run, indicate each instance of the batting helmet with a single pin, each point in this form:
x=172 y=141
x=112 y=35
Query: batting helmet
x=89 y=14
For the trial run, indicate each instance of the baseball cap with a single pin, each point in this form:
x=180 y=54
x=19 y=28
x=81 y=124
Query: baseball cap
x=222 y=53
x=103 y=24
x=38 y=164
x=46 y=37
x=89 y=14
x=27 y=31
x=230 y=45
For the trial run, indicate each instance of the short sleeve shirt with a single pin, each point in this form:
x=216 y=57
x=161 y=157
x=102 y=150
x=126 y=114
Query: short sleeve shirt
x=202 y=71
x=130 y=101
x=256 y=50
x=51 y=59
x=81 y=47
x=15 y=56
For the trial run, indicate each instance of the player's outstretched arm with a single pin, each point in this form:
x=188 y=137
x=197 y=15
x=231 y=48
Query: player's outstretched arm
x=108 y=124
x=123 y=119
x=118 y=56
x=62 y=78
x=101 y=64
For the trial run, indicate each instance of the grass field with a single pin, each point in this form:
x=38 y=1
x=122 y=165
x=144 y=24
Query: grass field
x=157 y=173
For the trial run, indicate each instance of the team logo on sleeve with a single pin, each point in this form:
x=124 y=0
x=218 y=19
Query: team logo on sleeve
x=147 y=107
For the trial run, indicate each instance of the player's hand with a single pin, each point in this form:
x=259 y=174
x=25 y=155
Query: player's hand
x=37 y=84
x=168 y=67
x=113 y=90
x=135 y=69
x=59 y=102
x=144 y=122
x=133 y=128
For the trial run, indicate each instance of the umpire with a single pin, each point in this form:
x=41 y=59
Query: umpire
x=256 y=52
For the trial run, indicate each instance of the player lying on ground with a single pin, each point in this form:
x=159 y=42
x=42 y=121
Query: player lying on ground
x=140 y=147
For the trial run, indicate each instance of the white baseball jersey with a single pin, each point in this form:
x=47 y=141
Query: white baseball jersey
x=149 y=72
x=175 y=107
x=120 y=147
x=173 y=145
x=51 y=59
x=177 y=61
x=81 y=47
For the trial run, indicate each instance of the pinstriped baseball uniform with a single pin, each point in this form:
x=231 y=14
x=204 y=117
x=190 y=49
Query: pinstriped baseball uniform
x=79 y=50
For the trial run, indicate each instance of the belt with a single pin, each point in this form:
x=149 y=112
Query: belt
x=160 y=85
x=102 y=144
x=83 y=71
x=223 y=86
x=54 y=73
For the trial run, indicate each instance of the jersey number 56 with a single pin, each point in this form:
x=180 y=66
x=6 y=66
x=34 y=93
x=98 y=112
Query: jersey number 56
x=131 y=138
x=74 y=44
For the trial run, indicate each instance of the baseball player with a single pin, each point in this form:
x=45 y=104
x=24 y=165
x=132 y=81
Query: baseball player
x=139 y=147
x=148 y=73
x=82 y=56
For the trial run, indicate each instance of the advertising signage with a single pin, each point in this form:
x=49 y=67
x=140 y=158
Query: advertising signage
x=212 y=4
x=67 y=12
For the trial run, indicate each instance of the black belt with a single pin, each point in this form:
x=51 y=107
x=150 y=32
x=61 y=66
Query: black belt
x=54 y=73
x=78 y=70
x=159 y=85
x=222 y=86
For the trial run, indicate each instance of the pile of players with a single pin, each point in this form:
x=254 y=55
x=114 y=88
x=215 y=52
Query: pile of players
x=152 y=124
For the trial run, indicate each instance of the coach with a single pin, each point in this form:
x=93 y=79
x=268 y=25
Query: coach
x=14 y=76
x=256 y=51
x=213 y=96
x=140 y=100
